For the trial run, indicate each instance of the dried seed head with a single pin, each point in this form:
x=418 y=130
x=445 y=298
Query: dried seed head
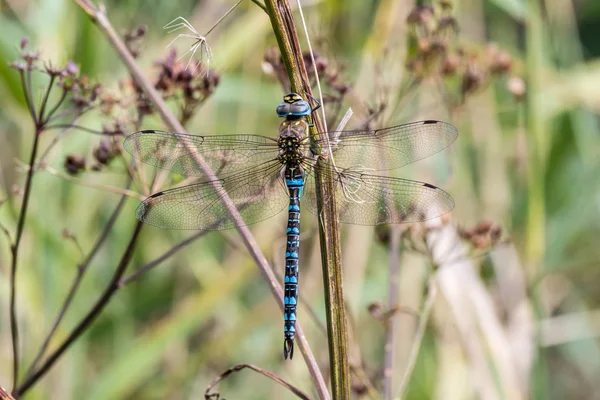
x=72 y=69
x=74 y=163
x=420 y=15
x=200 y=43
x=446 y=5
x=18 y=65
x=53 y=71
x=104 y=152
x=375 y=309
x=30 y=59
x=447 y=27
x=359 y=388
x=499 y=60
x=516 y=86
x=451 y=64
x=472 y=78
x=483 y=235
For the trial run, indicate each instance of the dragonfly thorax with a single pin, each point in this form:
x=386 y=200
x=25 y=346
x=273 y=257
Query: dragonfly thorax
x=292 y=140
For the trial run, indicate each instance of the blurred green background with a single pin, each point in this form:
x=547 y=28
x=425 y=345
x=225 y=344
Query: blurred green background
x=529 y=164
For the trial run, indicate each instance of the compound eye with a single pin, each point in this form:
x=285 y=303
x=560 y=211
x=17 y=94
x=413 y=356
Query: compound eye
x=300 y=108
x=283 y=109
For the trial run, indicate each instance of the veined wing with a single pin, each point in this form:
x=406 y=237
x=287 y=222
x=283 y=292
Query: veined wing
x=389 y=148
x=178 y=152
x=364 y=199
x=258 y=194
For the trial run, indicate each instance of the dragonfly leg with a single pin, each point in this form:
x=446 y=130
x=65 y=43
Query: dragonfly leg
x=315 y=100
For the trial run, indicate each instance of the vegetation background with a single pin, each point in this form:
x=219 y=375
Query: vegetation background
x=527 y=162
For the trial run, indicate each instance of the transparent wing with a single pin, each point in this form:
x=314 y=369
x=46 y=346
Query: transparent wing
x=364 y=199
x=177 y=152
x=390 y=148
x=258 y=194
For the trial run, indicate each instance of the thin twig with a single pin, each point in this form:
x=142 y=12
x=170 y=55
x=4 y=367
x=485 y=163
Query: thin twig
x=416 y=346
x=223 y=17
x=14 y=329
x=45 y=100
x=57 y=105
x=28 y=99
x=81 y=182
x=81 y=128
x=393 y=300
x=81 y=270
x=112 y=287
x=207 y=395
x=261 y=5
x=147 y=267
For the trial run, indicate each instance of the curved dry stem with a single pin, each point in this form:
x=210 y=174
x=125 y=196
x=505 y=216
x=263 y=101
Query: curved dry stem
x=207 y=395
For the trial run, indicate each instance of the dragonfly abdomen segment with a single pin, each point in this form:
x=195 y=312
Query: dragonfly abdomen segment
x=294 y=180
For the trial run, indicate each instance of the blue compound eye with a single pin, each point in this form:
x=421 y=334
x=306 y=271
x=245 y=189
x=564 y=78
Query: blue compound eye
x=283 y=109
x=300 y=108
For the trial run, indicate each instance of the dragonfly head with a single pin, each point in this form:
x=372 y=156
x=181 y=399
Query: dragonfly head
x=293 y=105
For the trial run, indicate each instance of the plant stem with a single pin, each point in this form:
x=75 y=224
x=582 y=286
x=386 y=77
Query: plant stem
x=419 y=335
x=45 y=101
x=147 y=267
x=284 y=28
x=110 y=290
x=393 y=299
x=537 y=141
x=14 y=329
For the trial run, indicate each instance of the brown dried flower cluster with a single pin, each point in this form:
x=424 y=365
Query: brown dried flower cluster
x=482 y=236
x=435 y=53
x=122 y=108
x=177 y=82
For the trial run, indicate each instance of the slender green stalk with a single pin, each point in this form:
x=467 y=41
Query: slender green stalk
x=537 y=140
x=289 y=45
x=14 y=328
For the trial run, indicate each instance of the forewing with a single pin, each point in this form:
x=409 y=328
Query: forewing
x=257 y=194
x=389 y=148
x=364 y=199
x=179 y=152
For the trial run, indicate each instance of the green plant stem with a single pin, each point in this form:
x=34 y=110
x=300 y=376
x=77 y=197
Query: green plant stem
x=14 y=329
x=537 y=142
x=99 y=17
x=45 y=101
x=284 y=28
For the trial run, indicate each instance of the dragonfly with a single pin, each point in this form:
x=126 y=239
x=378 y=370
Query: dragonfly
x=263 y=176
